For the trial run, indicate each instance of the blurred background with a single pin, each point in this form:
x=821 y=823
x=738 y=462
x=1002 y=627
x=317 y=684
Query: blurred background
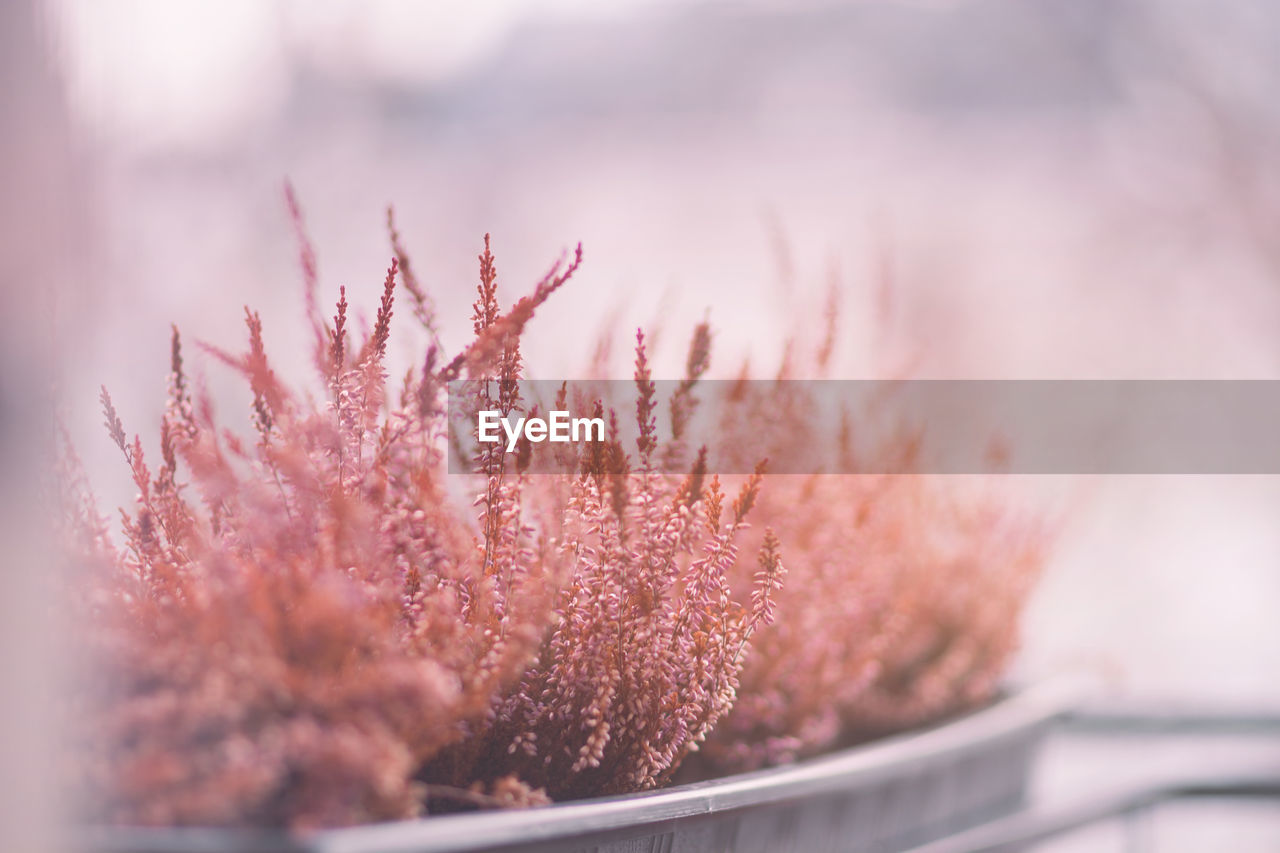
x=999 y=188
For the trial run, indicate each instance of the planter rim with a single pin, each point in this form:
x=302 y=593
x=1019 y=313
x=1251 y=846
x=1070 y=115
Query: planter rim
x=1010 y=718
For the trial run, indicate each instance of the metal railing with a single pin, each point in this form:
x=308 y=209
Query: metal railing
x=1133 y=801
x=1034 y=825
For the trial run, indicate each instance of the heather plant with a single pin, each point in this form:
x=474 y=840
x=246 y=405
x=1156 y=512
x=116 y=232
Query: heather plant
x=647 y=642
x=902 y=607
x=837 y=617
x=296 y=626
x=304 y=629
x=964 y=583
x=904 y=594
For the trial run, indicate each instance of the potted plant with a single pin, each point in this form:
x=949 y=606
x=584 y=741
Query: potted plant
x=305 y=629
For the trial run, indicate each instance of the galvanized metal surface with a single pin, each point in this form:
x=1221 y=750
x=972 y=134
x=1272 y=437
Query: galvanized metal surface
x=894 y=794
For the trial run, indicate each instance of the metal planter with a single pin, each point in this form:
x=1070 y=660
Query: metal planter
x=893 y=794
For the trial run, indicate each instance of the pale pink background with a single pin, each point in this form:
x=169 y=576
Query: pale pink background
x=1055 y=189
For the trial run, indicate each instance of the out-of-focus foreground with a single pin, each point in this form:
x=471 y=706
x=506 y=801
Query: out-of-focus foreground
x=41 y=244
